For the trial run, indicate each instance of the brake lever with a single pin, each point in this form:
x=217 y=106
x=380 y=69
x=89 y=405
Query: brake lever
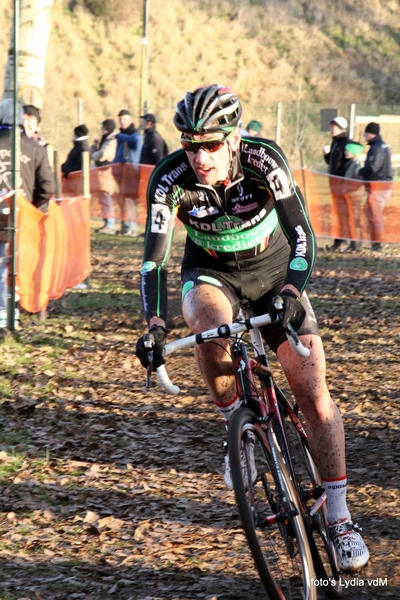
x=149 y=370
x=148 y=343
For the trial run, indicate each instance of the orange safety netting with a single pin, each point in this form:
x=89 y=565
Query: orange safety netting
x=53 y=250
x=338 y=207
x=116 y=190
x=350 y=208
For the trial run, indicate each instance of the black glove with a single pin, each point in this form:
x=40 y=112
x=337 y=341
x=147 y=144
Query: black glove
x=157 y=335
x=293 y=312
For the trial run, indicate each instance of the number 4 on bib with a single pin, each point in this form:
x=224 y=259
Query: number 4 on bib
x=160 y=216
x=279 y=184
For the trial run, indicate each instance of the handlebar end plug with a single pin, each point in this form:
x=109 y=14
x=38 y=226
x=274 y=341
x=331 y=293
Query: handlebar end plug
x=224 y=331
x=278 y=304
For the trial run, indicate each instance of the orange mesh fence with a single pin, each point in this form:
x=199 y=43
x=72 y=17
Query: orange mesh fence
x=111 y=188
x=53 y=250
x=350 y=208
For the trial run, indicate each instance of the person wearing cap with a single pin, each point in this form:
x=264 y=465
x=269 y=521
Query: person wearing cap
x=154 y=147
x=377 y=168
x=31 y=124
x=248 y=238
x=254 y=128
x=353 y=192
x=102 y=153
x=126 y=171
x=336 y=160
x=74 y=158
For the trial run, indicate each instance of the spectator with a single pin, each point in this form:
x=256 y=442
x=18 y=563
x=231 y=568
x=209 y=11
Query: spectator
x=377 y=168
x=154 y=147
x=126 y=171
x=336 y=160
x=102 y=153
x=254 y=128
x=74 y=158
x=36 y=181
x=31 y=124
x=353 y=192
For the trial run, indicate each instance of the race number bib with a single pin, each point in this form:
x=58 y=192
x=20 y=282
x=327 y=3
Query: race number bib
x=160 y=216
x=279 y=184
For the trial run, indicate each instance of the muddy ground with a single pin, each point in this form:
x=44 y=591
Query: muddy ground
x=111 y=491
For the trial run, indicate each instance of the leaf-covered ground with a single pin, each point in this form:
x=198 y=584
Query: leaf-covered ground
x=111 y=491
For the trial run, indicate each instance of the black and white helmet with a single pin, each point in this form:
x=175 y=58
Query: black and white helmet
x=208 y=109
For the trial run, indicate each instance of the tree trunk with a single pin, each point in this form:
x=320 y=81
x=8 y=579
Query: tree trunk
x=35 y=18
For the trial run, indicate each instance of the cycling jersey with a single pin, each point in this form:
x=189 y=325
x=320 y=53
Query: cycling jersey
x=229 y=224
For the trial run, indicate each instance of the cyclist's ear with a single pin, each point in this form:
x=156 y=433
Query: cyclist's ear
x=234 y=141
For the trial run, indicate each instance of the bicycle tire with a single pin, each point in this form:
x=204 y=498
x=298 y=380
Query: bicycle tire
x=280 y=551
x=308 y=482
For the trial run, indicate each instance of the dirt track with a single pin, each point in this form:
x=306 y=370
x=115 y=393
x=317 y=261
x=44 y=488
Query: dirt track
x=108 y=490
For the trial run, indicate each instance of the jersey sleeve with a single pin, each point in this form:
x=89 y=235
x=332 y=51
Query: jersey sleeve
x=158 y=239
x=292 y=214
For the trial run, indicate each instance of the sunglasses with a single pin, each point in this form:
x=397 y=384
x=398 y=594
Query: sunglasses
x=210 y=146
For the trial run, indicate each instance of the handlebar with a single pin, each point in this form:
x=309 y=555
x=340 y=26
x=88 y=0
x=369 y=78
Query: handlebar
x=223 y=332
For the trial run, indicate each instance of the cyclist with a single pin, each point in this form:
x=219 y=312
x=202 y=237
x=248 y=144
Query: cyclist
x=248 y=236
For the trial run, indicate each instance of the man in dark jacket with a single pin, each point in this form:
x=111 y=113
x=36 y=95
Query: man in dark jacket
x=36 y=181
x=74 y=158
x=154 y=147
x=377 y=168
x=336 y=161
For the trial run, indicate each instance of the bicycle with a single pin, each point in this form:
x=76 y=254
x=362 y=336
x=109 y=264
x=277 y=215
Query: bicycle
x=283 y=505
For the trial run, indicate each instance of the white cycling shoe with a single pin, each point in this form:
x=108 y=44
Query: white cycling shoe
x=352 y=553
x=253 y=470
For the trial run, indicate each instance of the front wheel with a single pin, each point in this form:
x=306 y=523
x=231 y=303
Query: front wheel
x=279 y=546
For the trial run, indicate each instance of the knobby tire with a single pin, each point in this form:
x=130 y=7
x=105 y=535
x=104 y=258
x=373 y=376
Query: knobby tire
x=280 y=551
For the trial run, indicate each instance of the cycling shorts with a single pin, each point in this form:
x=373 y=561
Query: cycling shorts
x=250 y=285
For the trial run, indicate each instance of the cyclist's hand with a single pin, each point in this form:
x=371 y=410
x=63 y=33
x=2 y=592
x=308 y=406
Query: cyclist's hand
x=157 y=335
x=288 y=308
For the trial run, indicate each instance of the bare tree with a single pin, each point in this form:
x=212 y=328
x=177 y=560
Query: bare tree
x=35 y=19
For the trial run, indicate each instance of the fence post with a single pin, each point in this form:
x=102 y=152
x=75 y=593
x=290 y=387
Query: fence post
x=86 y=187
x=85 y=174
x=57 y=174
x=303 y=174
x=352 y=119
x=80 y=111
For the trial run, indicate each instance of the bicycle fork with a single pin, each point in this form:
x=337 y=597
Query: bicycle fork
x=247 y=392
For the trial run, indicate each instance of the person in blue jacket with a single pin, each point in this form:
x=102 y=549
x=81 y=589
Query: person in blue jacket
x=126 y=171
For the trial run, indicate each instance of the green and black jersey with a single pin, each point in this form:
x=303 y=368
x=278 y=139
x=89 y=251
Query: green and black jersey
x=226 y=225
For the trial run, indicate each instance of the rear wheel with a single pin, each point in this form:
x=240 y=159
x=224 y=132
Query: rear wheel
x=310 y=488
x=279 y=547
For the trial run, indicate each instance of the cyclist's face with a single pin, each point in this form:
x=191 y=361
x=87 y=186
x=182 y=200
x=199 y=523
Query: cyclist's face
x=211 y=167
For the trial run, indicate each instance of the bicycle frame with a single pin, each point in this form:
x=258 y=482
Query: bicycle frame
x=271 y=402
x=268 y=409
x=266 y=402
